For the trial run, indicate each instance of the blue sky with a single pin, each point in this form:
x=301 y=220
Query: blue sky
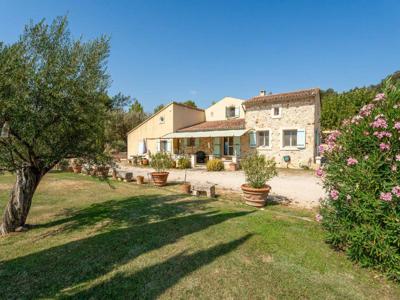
x=205 y=50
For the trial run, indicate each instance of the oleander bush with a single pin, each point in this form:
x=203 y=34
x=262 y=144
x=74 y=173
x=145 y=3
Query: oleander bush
x=215 y=165
x=183 y=163
x=161 y=161
x=362 y=177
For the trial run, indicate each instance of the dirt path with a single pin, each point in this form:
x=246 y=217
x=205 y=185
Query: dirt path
x=296 y=187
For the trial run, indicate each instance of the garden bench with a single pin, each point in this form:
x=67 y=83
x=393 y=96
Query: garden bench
x=208 y=188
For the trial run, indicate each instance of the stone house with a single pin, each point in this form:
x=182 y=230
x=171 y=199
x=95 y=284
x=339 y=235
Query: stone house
x=284 y=126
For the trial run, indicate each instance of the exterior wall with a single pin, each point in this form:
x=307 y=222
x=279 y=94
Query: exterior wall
x=175 y=117
x=216 y=112
x=185 y=116
x=295 y=114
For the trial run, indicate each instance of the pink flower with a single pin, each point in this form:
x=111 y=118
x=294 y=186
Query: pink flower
x=366 y=110
x=394 y=168
x=397 y=157
x=379 y=123
x=396 y=191
x=386 y=197
x=379 y=97
x=384 y=146
x=321 y=149
x=366 y=133
x=397 y=125
x=352 y=161
x=320 y=172
x=382 y=134
x=318 y=218
x=334 y=194
x=356 y=119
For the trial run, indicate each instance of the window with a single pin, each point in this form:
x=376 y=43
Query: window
x=290 y=138
x=190 y=142
x=164 y=146
x=276 y=111
x=263 y=138
x=232 y=111
x=228 y=145
x=162 y=120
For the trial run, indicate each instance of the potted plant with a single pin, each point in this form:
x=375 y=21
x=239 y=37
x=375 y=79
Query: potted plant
x=77 y=165
x=145 y=161
x=258 y=170
x=161 y=162
x=139 y=179
x=186 y=185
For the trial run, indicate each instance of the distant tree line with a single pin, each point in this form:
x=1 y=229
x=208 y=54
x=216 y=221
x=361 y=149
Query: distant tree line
x=336 y=107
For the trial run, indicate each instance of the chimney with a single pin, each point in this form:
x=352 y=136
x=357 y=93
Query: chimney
x=263 y=93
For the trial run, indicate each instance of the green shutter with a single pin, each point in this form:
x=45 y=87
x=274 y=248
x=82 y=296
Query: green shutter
x=197 y=142
x=253 y=139
x=217 y=146
x=236 y=143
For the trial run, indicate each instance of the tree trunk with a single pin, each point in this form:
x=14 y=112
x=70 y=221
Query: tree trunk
x=20 y=201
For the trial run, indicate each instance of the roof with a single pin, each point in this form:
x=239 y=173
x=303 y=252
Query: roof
x=302 y=94
x=209 y=133
x=232 y=124
x=161 y=110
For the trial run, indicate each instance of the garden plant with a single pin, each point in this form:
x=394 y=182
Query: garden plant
x=362 y=177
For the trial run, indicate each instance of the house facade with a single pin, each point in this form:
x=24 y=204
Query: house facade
x=284 y=126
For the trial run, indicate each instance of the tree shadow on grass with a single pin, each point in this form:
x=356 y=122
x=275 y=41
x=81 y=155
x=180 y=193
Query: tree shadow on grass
x=152 y=281
x=138 y=225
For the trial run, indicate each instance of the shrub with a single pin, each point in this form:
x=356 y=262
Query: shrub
x=215 y=165
x=161 y=161
x=258 y=169
x=362 y=211
x=183 y=163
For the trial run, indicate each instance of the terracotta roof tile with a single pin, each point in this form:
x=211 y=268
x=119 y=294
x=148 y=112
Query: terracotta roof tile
x=283 y=96
x=216 y=125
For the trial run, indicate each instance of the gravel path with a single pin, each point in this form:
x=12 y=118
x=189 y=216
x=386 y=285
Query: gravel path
x=295 y=187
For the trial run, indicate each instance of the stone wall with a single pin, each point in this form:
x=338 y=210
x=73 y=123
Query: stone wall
x=295 y=114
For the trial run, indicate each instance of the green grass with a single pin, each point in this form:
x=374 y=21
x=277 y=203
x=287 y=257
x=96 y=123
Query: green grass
x=95 y=239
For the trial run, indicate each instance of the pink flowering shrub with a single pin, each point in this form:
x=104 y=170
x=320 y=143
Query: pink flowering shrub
x=361 y=212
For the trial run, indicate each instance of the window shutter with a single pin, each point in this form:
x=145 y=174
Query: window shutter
x=226 y=112
x=185 y=142
x=253 y=139
x=158 y=146
x=236 y=142
x=197 y=142
x=217 y=146
x=301 y=138
x=237 y=111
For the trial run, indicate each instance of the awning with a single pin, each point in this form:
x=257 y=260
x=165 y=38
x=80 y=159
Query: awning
x=198 y=134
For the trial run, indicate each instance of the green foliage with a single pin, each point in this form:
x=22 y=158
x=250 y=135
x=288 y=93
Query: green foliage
x=336 y=107
x=161 y=161
x=189 y=103
x=362 y=213
x=183 y=163
x=158 y=108
x=137 y=107
x=258 y=169
x=215 y=165
x=53 y=95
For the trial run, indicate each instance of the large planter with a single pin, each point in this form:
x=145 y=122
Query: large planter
x=255 y=197
x=159 y=178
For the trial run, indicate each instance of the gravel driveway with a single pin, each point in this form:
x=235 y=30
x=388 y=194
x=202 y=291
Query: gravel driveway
x=295 y=187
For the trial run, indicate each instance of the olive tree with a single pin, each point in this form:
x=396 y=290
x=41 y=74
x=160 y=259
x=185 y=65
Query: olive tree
x=53 y=105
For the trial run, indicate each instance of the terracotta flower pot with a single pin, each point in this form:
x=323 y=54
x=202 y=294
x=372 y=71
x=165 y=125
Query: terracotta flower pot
x=255 y=197
x=159 y=178
x=232 y=167
x=139 y=179
x=185 y=188
x=77 y=169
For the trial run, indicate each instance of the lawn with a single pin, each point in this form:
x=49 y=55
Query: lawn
x=97 y=239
